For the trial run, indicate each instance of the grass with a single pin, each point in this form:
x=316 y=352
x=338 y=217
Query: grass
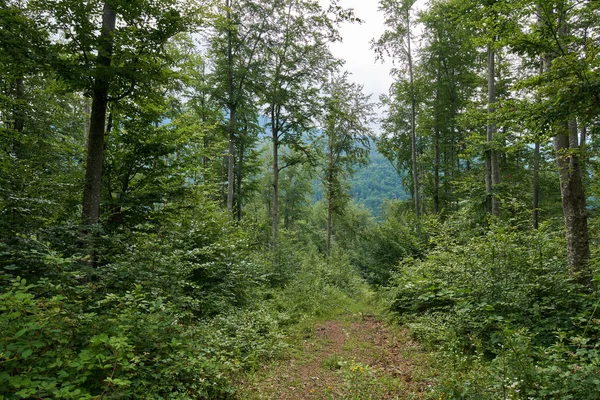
x=345 y=353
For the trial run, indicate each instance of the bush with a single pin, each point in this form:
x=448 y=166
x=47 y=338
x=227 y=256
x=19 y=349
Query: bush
x=400 y=236
x=135 y=345
x=502 y=315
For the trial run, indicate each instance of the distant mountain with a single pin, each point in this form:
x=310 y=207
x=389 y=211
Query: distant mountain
x=375 y=182
x=372 y=184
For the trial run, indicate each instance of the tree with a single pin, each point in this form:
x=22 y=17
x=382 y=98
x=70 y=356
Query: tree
x=566 y=89
x=298 y=61
x=41 y=129
x=110 y=61
x=238 y=40
x=396 y=43
x=346 y=135
x=448 y=80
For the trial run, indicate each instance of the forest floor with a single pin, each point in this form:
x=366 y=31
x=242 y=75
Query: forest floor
x=352 y=356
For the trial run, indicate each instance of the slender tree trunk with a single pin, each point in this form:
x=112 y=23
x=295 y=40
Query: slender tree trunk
x=566 y=145
x=536 y=184
x=240 y=170
x=329 y=221
x=436 y=157
x=275 y=209
x=95 y=157
x=205 y=141
x=583 y=151
x=330 y=195
x=536 y=152
x=492 y=171
x=232 y=113
x=224 y=160
x=231 y=159
x=413 y=111
x=423 y=195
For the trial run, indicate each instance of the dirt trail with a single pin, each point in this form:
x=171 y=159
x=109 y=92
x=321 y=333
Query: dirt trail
x=348 y=358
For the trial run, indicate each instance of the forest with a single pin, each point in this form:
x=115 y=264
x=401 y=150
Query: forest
x=199 y=201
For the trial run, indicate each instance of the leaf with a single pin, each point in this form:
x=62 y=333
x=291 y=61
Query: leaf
x=26 y=353
x=20 y=333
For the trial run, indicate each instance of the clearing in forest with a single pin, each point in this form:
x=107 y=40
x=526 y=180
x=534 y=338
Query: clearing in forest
x=349 y=357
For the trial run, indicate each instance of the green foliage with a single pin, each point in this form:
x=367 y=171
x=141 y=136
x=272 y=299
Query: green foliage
x=133 y=330
x=501 y=311
x=134 y=344
x=384 y=245
x=375 y=182
x=319 y=286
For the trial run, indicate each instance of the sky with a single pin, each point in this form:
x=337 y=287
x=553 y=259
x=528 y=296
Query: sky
x=356 y=48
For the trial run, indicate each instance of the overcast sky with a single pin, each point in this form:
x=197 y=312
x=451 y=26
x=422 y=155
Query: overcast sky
x=356 y=49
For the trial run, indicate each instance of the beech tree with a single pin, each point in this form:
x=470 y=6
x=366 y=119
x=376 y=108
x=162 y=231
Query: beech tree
x=111 y=50
x=238 y=39
x=346 y=136
x=298 y=61
x=448 y=61
x=568 y=89
x=396 y=42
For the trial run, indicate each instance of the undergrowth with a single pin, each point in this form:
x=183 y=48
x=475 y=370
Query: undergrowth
x=164 y=319
x=498 y=309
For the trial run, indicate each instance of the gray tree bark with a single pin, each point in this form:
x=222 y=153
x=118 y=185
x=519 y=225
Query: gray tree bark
x=413 y=112
x=536 y=184
x=492 y=176
x=436 y=158
x=275 y=205
x=232 y=114
x=566 y=145
x=95 y=156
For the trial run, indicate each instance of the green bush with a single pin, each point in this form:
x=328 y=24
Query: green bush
x=135 y=345
x=501 y=313
x=383 y=246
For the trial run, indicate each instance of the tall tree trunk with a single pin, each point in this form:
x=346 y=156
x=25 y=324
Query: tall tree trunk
x=330 y=195
x=536 y=151
x=95 y=158
x=275 y=209
x=232 y=112
x=87 y=114
x=536 y=184
x=329 y=221
x=566 y=145
x=492 y=177
x=240 y=169
x=224 y=160
x=436 y=157
x=413 y=111
x=205 y=141
x=231 y=159
x=583 y=151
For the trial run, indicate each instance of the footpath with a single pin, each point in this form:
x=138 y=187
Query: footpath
x=350 y=357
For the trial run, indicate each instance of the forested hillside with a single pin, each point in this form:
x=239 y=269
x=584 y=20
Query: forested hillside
x=194 y=205
x=376 y=182
x=370 y=185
